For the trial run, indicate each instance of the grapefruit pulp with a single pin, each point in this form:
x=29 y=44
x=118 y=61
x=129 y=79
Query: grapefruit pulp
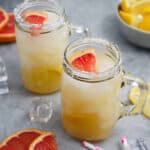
x=7 y=34
x=20 y=140
x=84 y=60
x=44 y=142
x=34 y=17
x=3 y=18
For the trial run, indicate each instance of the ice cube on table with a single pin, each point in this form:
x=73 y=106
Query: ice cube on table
x=3 y=78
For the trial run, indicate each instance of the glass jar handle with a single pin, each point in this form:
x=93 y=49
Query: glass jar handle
x=79 y=30
x=133 y=109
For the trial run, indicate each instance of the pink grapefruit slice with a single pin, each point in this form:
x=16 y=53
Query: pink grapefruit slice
x=7 y=34
x=44 y=142
x=3 y=18
x=84 y=60
x=34 y=17
x=20 y=140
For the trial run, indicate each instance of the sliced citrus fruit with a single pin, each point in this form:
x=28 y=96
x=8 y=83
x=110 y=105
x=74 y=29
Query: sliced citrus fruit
x=84 y=60
x=127 y=17
x=144 y=24
x=127 y=4
x=146 y=110
x=133 y=96
x=7 y=34
x=141 y=6
x=44 y=142
x=130 y=18
x=3 y=18
x=20 y=140
x=34 y=17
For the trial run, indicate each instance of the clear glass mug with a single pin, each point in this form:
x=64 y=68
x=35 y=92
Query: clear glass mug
x=90 y=102
x=41 y=51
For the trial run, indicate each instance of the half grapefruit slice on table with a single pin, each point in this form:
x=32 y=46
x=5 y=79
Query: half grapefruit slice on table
x=44 y=142
x=3 y=18
x=20 y=140
x=7 y=34
x=84 y=60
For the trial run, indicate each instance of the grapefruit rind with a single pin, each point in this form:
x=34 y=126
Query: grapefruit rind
x=18 y=133
x=40 y=139
x=5 y=21
x=8 y=37
x=75 y=57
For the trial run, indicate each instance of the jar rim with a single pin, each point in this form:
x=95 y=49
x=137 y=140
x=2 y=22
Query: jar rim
x=91 y=76
x=47 y=27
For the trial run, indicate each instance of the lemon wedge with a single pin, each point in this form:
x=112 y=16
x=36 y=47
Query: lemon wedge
x=126 y=4
x=145 y=23
x=134 y=93
x=131 y=19
x=141 y=6
x=127 y=17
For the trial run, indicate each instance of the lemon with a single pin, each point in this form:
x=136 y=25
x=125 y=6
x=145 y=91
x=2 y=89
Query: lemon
x=126 y=4
x=144 y=10
x=129 y=18
x=134 y=93
x=142 y=6
x=136 y=13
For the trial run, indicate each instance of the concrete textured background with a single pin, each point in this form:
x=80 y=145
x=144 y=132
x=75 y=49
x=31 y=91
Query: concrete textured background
x=99 y=16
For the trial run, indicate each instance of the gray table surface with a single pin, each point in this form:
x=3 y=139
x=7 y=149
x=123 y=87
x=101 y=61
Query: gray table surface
x=99 y=15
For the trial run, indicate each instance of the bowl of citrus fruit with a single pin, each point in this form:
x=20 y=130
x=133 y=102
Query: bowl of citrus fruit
x=134 y=21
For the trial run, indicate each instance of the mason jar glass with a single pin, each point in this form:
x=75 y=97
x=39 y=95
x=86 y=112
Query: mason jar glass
x=90 y=101
x=41 y=46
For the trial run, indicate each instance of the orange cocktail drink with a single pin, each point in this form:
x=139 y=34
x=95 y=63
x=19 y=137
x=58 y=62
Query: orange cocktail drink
x=90 y=90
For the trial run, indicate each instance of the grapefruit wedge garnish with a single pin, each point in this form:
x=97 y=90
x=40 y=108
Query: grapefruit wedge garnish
x=3 y=18
x=84 y=60
x=44 y=142
x=20 y=140
x=7 y=34
x=34 y=17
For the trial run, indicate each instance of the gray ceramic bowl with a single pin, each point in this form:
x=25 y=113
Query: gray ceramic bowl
x=133 y=34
